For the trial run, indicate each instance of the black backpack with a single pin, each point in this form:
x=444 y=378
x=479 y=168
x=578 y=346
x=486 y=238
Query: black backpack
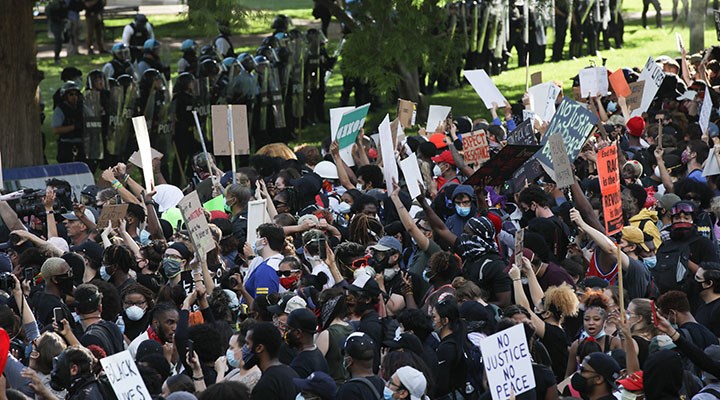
x=671 y=271
x=105 y=387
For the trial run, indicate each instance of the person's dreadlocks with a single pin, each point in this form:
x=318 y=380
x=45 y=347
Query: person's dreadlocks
x=365 y=230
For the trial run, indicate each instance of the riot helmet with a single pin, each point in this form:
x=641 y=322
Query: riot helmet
x=125 y=80
x=270 y=41
x=151 y=46
x=69 y=87
x=247 y=61
x=96 y=80
x=120 y=51
x=268 y=52
x=186 y=83
x=140 y=19
x=188 y=45
x=208 y=67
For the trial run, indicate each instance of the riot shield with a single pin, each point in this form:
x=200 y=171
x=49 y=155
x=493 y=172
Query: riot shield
x=277 y=102
x=92 y=129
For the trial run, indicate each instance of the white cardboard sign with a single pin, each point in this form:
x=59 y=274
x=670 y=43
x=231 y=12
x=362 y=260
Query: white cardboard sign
x=436 y=115
x=508 y=366
x=704 y=117
x=711 y=165
x=411 y=171
x=653 y=77
x=335 y=117
x=196 y=223
x=136 y=160
x=256 y=217
x=124 y=376
x=542 y=98
x=388 y=154
x=593 y=82
x=485 y=88
x=143 y=140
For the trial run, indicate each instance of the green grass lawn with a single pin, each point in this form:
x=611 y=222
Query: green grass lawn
x=639 y=44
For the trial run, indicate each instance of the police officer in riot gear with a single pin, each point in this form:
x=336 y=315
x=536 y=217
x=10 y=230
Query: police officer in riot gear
x=155 y=102
x=135 y=34
x=295 y=95
x=120 y=63
x=223 y=45
x=317 y=63
x=96 y=102
x=123 y=106
x=189 y=60
x=281 y=23
x=67 y=124
x=271 y=102
x=151 y=59
x=184 y=102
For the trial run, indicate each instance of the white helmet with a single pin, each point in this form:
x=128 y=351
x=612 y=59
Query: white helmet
x=326 y=170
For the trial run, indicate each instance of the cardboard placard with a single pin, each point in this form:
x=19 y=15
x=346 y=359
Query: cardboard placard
x=653 y=77
x=609 y=176
x=536 y=78
x=476 y=149
x=137 y=161
x=619 y=84
x=411 y=172
x=519 y=244
x=350 y=124
x=561 y=163
x=436 y=115
x=593 y=81
x=542 y=99
x=143 y=141
x=704 y=117
x=221 y=139
x=635 y=99
x=711 y=165
x=523 y=134
x=507 y=361
x=485 y=88
x=112 y=213
x=526 y=174
x=256 y=217
x=528 y=115
x=335 y=116
x=406 y=112
x=501 y=167
x=196 y=223
x=716 y=17
x=574 y=123
x=387 y=148
x=124 y=376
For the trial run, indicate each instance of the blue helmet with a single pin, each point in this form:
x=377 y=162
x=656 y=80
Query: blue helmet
x=228 y=62
x=188 y=44
x=120 y=51
x=151 y=45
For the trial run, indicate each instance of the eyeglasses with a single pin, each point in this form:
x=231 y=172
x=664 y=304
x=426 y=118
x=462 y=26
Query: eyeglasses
x=681 y=208
x=394 y=387
x=288 y=273
x=137 y=303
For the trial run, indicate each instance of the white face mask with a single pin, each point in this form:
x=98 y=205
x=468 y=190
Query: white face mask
x=436 y=171
x=311 y=259
x=389 y=273
x=134 y=313
x=344 y=207
x=359 y=187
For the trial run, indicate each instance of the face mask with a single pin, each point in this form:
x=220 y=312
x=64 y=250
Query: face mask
x=359 y=187
x=612 y=106
x=657 y=171
x=680 y=230
x=344 y=208
x=528 y=215
x=258 y=246
x=65 y=285
x=104 y=274
x=231 y=360
x=650 y=262
x=134 y=313
x=579 y=383
x=389 y=273
x=436 y=171
x=427 y=277
x=60 y=378
x=387 y=393
x=462 y=211
x=171 y=267
x=311 y=259
x=685 y=157
x=289 y=282
x=249 y=357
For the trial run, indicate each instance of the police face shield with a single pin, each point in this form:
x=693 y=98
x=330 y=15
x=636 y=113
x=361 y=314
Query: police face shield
x=123 y=54
x=270 y=54
x=248 y=64
x=97 y=82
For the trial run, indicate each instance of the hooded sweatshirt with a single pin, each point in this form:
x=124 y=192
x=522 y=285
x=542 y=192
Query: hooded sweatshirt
x=455 y=223
x=647 y=220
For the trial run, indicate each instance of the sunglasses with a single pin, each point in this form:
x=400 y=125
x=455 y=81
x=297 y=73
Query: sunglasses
x=288 y=273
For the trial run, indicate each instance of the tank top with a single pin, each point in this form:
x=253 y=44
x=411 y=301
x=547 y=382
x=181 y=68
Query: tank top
x=333 y=356
x=594 y=270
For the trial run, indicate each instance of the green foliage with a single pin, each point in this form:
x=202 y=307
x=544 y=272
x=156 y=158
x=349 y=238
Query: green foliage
x=204 y=15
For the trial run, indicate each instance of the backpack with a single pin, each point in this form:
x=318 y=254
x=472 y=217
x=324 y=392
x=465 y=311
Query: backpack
x=671 y=268
x=105 y=387
x=475 y=371
x=369 y=384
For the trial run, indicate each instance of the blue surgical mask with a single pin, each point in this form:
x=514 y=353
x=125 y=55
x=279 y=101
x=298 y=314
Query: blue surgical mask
x=612 y=106
x=650 y=262
x=387 y=393
x=462 y=211
x=231 y=360
x=104 y=274
x=258 y=246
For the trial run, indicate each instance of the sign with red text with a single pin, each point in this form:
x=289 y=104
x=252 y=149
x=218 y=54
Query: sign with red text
x=476 y=148
x=609 y=176
x=194 y=215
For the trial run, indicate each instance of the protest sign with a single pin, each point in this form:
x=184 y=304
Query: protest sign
x=221 y=138
x=196 y=223
x=406 y=112
x=523 y=134
x=143 y=141
x=124 y=376
x=519 y=244
x=574 y=123
x=256 y=217
x=350 y=124
x=475 y=147
x=679 y=42
x=716 y=17
x=653 y=77
x=112 y=213
x=335 y=116
x=536 y=78
x=635 y=98
x=502 y=166
x=563 y=169
x=411 y=172
x=485 y=88
x=711 y=165
x=609 y=176
x=526 y=174
x=137 y=161
x=593 y=81
x=619 y=83
x=436 y=115
x=507 y=361
x=704 y=118
x=387 y=149
x=542 y=99
x=528 y=115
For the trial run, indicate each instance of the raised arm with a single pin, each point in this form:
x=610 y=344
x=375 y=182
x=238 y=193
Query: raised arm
x=602 y=242
x=459 y=160
x=48 y=202
x=341 y=166
x=521 y=300
x=109 y=176
x=422 y=242
x=436 y=223
x=664 y=173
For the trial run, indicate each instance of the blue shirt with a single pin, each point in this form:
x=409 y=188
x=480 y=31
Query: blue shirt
x=262 y=281
x=696 y=175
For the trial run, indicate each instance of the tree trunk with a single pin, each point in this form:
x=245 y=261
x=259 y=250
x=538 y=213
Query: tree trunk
x=697 y=25
x=409 y=89
x=21 y=143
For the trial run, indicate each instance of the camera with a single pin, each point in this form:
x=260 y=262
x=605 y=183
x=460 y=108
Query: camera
x=7 y=283
x=31 y=203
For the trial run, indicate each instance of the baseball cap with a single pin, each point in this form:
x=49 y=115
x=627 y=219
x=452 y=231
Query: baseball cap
x=91 y=250
x=365 y=283
x=90 y=191
x=712 y=351
x=635 y=126
x=70 y=216
x=445 y=156
x=60 y=243
x=303 y=319
x=405 y=341
x=594 y=282
x=413 y=380
x=634 y=235
x=667 y=200
x=359 y=346
x=318 y=383
x=287 y=304
x=634 y=382
x=387 y=243
x=438 y=139
x=661 y=342
x=605 y=366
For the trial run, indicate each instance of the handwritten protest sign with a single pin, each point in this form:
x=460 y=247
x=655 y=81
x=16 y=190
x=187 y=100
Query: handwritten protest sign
x=124 y=377
x=485 y=88
x=502 y=165
x=636 y=91
x=436 y=115
x=507 y=361
x=335 y=117
x=619 y=83
x=609 y=176
x=563 y=169
x=536 y=78
x=143 y=141
x=196 y=223
x=350 y=124
x=256 y=217
x=653 y=77
x=387 y=148
x=593 y=81
x=112 y=213
x=704 y=118
x=407 y=111
x=475 y=147
x=574 y=123
x=523 y=134
x=542 y=98
x=411 y=172
x=519 y=244
x=221 y=139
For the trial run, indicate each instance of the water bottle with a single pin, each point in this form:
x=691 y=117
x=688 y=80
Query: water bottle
x=121 y=324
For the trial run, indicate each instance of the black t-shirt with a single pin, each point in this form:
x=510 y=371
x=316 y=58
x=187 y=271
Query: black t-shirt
x=492 y=269
x=709 y=315
x=700 y=335
x=43 y=305
x=276 y=383
x=358 y=390
x=556 y=343
x=106 y=335
x=451 y=367
x=555 y=232
x=371 y=324
x=307 y=362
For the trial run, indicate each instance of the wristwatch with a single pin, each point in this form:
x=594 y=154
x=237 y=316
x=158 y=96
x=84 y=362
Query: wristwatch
x=50 y=212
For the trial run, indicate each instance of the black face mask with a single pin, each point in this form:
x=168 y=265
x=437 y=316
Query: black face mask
x=580 y=383
x=60 y=378
x=681 y=231
x=65 y=284
x=292 y=339
x=527 y=216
